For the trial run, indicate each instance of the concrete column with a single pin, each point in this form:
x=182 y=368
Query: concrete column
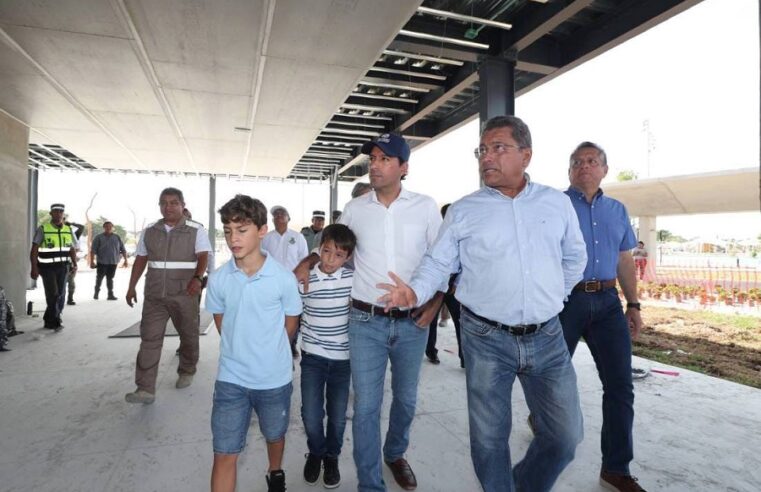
x=333 y=196
x=212 y=220
x=648 y=234
x=31 y=222
x=14 y=233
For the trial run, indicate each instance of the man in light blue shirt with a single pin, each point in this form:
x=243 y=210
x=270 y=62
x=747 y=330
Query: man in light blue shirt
x=519 y=249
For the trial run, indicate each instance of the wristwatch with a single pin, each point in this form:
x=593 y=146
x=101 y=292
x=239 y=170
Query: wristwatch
x=634 y=305
x=200 y=279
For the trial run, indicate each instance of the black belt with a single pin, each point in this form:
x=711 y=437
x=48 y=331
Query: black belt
x=516 y=330
x=595 y=285
x=380 y=311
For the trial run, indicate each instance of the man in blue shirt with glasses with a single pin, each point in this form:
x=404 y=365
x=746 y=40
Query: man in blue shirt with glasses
x=519 y=249
x=594 y=311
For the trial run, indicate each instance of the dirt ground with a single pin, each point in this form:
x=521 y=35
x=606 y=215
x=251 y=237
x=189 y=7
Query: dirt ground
x=722 y=345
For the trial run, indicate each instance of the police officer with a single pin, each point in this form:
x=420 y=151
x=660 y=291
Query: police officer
x=313 y=233
x=175 y=250
x=53 y=255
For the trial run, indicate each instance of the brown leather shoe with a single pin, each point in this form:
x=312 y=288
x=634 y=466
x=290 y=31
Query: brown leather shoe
x=403 y=474
x=620 y=483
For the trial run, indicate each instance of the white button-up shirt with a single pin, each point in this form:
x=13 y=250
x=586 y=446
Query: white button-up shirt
x=288 y=249
x=389 y=239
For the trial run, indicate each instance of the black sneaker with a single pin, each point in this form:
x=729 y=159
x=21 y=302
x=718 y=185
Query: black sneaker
x=276 y=481
x=332 y=477
x=312 y=468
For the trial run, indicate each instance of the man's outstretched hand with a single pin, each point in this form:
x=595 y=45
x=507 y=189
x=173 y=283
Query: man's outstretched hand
x=400 y=295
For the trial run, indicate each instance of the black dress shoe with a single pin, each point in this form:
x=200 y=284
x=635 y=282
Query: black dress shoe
x=433 y=358
x=71 y=302
x=403 y=474
x=112 y=297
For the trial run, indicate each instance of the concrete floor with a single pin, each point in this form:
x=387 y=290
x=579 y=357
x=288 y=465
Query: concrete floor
x=64 y=425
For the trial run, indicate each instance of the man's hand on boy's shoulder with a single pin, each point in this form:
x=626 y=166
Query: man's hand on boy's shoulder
x=303 y=268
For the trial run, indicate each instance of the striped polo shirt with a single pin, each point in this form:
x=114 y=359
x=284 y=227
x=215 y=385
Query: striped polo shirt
x=325 y=320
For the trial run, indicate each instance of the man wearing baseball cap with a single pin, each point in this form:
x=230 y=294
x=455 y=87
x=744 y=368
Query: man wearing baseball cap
x=394 y=227
x=313 y=233
x=53 y=254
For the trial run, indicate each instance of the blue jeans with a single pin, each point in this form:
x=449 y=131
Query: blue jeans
x=493 y=358
x=374 y=340
x=324 y=389
x=231 y=414
x=599 y=318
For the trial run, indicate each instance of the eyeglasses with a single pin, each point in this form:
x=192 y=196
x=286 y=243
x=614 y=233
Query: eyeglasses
x=497 y=148
x=592 y=162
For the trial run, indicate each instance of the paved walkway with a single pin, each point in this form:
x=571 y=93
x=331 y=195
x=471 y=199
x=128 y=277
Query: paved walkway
x=64 y=425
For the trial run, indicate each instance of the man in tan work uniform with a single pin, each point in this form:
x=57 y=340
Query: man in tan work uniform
x=176 y=251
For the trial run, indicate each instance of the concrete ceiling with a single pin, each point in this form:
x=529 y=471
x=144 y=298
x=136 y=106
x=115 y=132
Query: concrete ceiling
x=163 y=84
x=726 y=191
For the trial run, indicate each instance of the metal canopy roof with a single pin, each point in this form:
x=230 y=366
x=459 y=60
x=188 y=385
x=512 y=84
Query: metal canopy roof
x=270 y=87
x=717 y=192
x=428 y=75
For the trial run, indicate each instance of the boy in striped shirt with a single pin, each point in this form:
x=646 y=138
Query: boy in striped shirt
x=325 y=370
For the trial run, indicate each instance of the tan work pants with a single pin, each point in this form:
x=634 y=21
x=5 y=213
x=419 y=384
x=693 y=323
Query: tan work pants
x=183 y=311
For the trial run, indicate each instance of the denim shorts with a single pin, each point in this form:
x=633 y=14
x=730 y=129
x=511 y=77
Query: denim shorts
x=231 y=414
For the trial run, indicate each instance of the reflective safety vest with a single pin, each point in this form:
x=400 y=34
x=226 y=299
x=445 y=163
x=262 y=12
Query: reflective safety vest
x=172 y=258
x=56 y=244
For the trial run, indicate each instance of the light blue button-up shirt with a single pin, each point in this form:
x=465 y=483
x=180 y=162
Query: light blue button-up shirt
x=518 y=258
x=607 y=231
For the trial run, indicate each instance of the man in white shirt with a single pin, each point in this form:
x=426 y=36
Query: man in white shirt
x=394 y=227
x=285 y=245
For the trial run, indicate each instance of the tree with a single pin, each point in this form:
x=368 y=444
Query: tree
x=42 y=216
x=664 y=235
x=627 y=175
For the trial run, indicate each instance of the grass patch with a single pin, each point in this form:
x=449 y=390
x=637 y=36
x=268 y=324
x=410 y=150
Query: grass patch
x=720 y=345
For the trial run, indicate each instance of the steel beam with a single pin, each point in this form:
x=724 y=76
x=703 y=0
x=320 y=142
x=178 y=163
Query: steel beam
x=497 y=90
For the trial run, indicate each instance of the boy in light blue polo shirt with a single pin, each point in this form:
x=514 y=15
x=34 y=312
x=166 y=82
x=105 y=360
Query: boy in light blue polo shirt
x=251 y=297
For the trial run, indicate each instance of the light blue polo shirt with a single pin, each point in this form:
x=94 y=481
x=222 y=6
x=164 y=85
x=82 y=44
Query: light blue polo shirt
x=254 y=350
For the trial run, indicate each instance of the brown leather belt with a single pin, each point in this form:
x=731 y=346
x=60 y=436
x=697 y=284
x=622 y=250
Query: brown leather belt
x=591 y=286
x=516 y=330
x=380 y=311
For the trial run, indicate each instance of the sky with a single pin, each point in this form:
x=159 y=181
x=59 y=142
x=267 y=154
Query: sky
x=671 y=101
